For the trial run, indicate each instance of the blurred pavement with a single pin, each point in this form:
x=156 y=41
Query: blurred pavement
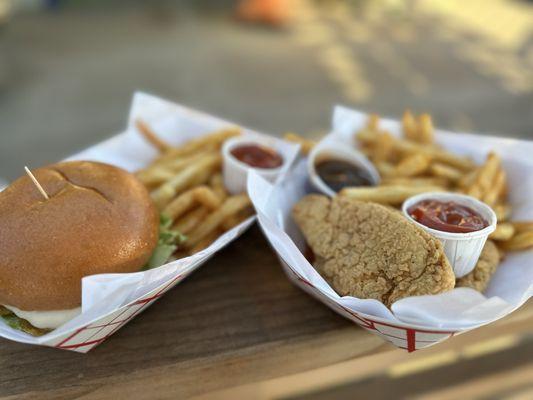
x=69 y=74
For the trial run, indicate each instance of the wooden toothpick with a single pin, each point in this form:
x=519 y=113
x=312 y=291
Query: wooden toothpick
x=36 y=183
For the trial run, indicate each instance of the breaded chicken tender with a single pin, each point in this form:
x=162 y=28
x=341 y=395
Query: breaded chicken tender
x=486 y=266
x=368 y=251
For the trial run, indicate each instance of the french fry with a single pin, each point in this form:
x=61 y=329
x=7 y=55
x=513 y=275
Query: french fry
x=235 y=220
x=199 y=195
x=372 y=124
x=306 y=145
x=493 y=192
x=178 y=163
x=211 y=141
x=154 y=176
x=445 y=171
x=164 y=194
x=159 y=172
x=216 y=182
x=385 y=168
x=366 y=137
x=486 y=175
x=412 y=165
x=201 y=178
x=230 y=207
x=425 y=129
x=523 y=226
x=405 y=146
x=180 y=205
x=191 y=220
x=205 y=242
x=207 y=197
x=152 y=137
x=410 y=128
x=419 y=181
x=230 y=222
x=475 y=191
x=462 y=163
x=502 y=211
x=393 y=195
x=383 y=148
x=468 y=179
x=520 y=241
x=504 y=231
x=504 y=193
x=489 y=170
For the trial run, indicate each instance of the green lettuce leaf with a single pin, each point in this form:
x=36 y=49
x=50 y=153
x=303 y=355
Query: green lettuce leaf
x=20 y=324
x=169 y=241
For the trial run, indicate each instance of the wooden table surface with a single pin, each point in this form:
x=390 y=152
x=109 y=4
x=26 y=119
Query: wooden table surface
x=235 y=321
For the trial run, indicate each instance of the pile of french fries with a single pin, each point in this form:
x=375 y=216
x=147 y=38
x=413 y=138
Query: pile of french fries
x=415 y=164
x=186 y=185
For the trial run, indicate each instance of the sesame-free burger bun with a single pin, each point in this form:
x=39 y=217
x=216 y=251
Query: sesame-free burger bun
x=99 y=219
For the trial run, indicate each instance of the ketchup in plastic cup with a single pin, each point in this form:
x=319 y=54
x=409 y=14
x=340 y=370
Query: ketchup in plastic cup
x=257 y=156
x=242 y=153
x=447 y=216
x=462 y=223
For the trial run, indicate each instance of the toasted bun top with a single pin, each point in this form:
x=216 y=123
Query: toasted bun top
x=99 y=219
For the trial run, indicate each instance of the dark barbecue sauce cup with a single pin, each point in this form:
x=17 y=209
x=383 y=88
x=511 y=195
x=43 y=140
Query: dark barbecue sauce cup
x=333 y=166
x=338 y=174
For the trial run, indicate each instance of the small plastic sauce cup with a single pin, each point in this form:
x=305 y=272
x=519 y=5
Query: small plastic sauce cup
x=332 y=150
x=461 y=249
x=235 y=172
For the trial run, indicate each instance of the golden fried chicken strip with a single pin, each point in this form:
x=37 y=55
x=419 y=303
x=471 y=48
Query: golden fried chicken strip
x=486 y=266
x=367 y=251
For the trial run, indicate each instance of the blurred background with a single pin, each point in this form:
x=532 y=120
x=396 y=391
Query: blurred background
x=68 y=70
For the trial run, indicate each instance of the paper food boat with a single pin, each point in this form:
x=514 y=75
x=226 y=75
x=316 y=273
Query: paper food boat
x=109 y=301
x=415 y=322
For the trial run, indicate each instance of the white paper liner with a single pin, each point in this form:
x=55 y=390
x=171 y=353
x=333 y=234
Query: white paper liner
x=111 y=300
x=413 y=322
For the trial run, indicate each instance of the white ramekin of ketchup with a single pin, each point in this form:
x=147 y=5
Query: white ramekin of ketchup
x=462 y=223
x=240 y=154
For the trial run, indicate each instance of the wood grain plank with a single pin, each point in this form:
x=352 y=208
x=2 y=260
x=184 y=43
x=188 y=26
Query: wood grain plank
x=383 y=363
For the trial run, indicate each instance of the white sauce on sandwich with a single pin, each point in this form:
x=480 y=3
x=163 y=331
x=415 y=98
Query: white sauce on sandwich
x=46 y=319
